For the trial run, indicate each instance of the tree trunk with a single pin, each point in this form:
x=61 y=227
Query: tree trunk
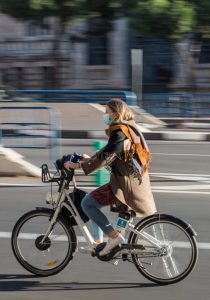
x=184 y=75
x=56 y=55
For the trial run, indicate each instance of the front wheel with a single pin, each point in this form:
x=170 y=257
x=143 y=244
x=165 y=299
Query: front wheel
x=43 y=257
x=168 y=249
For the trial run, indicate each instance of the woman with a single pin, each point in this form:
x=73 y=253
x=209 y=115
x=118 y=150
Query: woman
x=127 y=156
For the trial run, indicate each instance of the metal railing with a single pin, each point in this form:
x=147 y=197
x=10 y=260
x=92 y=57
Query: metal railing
x=86 y=96
x=177 y=104
x=24 y=127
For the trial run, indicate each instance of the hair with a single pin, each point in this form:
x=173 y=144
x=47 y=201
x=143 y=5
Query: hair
x=121 y=110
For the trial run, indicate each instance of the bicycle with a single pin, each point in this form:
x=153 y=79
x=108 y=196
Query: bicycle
x=162 y=247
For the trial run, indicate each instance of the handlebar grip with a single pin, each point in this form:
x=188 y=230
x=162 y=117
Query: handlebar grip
x=75 y=157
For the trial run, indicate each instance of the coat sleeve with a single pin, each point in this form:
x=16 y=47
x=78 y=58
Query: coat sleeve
x=107 y=154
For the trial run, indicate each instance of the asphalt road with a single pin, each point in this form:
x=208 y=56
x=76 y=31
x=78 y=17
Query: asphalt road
x=180 y=177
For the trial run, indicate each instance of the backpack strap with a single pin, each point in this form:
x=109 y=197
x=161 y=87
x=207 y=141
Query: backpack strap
x=140 y=149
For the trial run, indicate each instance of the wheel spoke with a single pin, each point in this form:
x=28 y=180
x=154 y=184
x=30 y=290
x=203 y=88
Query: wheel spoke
x=47 y=257
x=168 y=271
x=173 y=263
x=174 y=256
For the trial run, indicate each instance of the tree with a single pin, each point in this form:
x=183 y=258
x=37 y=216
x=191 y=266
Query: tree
x=37 y=11
x=202 y=11
x=172 y=21
x=64 y=11
x=166 y=19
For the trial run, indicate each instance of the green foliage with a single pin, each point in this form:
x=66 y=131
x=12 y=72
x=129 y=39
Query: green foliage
x=16 y=8
x=168 y=19
x=25 y=9
x=202 y=20
x=165 y=19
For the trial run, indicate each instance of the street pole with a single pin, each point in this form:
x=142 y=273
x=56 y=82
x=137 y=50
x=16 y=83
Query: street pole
x=137 y=73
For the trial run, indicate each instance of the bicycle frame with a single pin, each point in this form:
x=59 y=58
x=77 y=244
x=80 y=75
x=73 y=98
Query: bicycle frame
x=63 y=194
x=154 y=243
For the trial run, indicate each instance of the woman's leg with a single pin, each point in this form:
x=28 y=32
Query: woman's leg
x=92 y=208
x=97 y=233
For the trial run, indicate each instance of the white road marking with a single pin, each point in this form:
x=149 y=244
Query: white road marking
x=181 y=192
x=5 y=184
x=98 y=107
x=32 y=236
x=189 y=177
x=158 y=174
x=183 y=136
x=81 y=239
x=16 y=157
x=183 y=187
x=180 y=154
x=178 y=142
x=157 y=189
x=203 y=188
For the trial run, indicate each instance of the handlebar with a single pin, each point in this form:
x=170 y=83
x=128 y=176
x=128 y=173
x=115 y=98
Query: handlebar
x=59 y=164
x=75 y=157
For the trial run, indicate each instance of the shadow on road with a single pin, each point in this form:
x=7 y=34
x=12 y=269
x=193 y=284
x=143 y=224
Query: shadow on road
x=23 y=283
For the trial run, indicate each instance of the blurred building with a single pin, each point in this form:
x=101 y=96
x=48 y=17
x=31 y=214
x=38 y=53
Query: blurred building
x=26 y=56
x=28 y=61
x=158 y=62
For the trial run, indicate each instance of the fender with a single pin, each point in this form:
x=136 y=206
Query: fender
x=45 y=208
x=175 y=219
x=64 y=213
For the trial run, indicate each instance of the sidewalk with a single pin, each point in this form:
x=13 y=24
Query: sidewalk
x=81 y=120
x=153 y=128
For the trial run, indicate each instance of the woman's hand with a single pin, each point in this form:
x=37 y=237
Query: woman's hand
x=85 y=157
x=71 y=165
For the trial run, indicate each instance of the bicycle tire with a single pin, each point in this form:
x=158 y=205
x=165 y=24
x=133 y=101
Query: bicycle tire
x=149 y=262
x=49 y=268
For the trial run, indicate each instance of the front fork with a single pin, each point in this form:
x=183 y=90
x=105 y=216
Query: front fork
x=53 y=220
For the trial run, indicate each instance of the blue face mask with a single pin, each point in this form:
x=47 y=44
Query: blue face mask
x=106 y=119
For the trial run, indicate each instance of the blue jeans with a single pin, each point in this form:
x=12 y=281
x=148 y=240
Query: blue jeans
x=93 y=210
x=98 y=234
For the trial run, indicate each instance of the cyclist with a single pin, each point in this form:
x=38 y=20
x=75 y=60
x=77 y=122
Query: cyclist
x=127 y=156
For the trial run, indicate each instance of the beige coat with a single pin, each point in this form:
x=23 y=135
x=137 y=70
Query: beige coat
x=125 y=187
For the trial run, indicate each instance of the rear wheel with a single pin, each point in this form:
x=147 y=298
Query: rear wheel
x=43 y=257
x=171 y=256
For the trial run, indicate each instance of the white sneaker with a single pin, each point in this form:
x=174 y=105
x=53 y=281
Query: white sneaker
x=111 y=243
x=87 y=249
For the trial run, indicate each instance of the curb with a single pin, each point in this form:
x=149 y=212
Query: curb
x=158 y=135
x=149 y=135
